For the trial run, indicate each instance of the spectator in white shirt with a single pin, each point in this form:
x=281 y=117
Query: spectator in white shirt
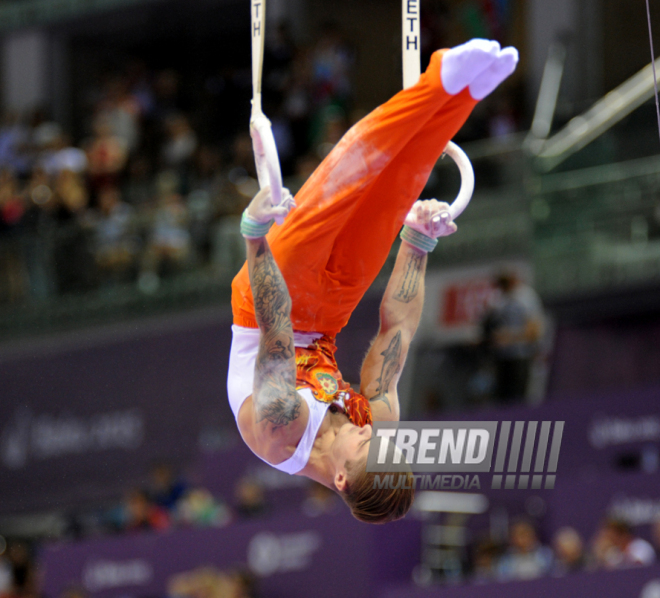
x=616 y=547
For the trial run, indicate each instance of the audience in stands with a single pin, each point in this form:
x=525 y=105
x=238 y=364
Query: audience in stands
x=486 y=555
x=153 y=188
x=569 y=551
x=250 y=498
x=526 y=557
x=211 y=582
x=320 y=500
x=616 y=547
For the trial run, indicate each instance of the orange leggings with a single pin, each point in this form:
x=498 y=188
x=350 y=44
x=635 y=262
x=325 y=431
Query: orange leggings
x=333 y=245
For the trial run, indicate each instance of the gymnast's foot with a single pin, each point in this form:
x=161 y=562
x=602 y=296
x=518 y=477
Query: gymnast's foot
x=462 y=64
x=486 y=81
x=480 y=64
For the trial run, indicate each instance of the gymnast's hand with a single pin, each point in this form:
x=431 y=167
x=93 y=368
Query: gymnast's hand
x=262 y=210
x=431 y=218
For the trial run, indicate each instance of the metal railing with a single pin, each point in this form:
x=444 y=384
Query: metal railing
x=597 y=229
x=586 y=231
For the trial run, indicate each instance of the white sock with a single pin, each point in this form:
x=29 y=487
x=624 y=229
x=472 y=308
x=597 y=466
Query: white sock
x=486 y=81
x=462 y=64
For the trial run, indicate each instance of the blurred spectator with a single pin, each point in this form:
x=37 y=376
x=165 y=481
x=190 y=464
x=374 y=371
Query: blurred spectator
x=209 y=582
x=655 y=530
x=242 y=162
x=616 y=547
x=332 y=127
x=198 y=507
x=331 y=64
x=70 y=191
x=207 y=172
x=106 y=155
x=278 y=55
x=569 y=551
x=139 y=187
x=166 y=94
x=305 y=166
x=165 y=489
x=250 y=497
x=297 y=100
x=207 y=199
x=180 y=144
x=121 y=111
x=169 y=244
x=14 y=142
x=486 y=556
x=72 y=258
x=116 y=247
x=320 y=500
x=11 y=201
x=139 y=513
x=38 y=231
x=61 y=155
x=74 y=592
x=525 y=558
x=512 y=329
x=12 y=209
x=137 y=77
x=244 y=584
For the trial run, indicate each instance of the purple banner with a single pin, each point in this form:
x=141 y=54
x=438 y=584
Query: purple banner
x=83 y=417
x=619 y=353
x=291 y=556
x=632 y=583
x=584 y=504
x=605 y=433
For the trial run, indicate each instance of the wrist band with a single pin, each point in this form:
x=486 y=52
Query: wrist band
x=251 y=229
x=417 y=239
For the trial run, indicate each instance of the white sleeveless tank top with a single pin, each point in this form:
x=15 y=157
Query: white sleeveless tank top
x=240 y=380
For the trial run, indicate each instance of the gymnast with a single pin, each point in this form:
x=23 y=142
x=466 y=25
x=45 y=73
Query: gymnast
x=304 y=277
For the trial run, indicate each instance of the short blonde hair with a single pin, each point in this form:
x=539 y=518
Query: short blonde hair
x=376 y=505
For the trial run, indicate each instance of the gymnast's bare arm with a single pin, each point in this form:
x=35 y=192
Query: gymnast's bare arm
x=400 y=312
x=274 y=418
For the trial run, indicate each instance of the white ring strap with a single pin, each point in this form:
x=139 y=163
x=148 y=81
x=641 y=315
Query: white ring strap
x=266 y=158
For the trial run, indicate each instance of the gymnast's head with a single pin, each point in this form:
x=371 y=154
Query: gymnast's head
x=368 y=502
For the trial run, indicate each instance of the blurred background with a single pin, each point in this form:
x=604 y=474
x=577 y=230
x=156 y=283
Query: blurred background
x=125 y=163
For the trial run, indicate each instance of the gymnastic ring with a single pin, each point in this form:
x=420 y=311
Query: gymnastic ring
x=467 y=179
x=268 y=164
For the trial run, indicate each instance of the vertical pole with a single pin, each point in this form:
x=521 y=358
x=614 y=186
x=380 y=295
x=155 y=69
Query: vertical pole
x=411 y=42
x=258 y=9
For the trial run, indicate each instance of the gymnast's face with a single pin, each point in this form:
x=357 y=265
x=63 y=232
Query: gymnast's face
x=350 y=444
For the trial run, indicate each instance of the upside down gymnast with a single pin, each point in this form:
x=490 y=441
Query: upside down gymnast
x=305 y=276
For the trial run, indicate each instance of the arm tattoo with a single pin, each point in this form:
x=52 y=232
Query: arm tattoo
x=391 y=367
x=275 y=395
x=411 y=275
x=272 y=304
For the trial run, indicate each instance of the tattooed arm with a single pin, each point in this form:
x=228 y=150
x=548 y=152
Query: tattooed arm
x=400 y=312
x=279 y=415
